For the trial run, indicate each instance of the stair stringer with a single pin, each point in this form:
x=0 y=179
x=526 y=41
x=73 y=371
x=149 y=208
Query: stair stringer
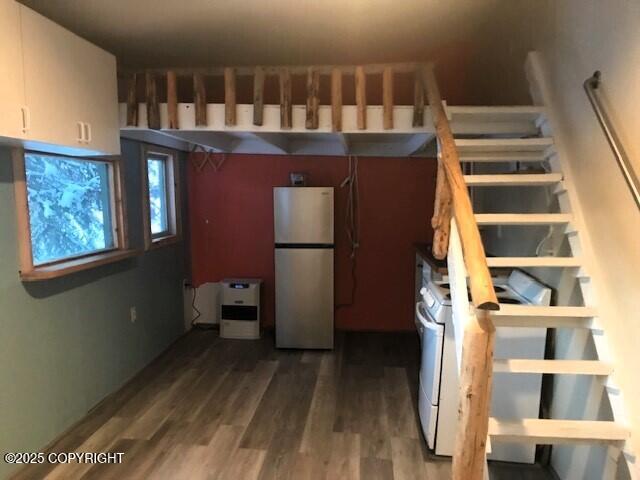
x=581 y=246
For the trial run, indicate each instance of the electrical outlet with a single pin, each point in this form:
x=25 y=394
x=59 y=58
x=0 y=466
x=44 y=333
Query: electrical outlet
x=133 y=314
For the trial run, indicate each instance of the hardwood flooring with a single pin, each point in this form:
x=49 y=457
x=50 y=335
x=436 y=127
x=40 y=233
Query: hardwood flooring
x=219 y=409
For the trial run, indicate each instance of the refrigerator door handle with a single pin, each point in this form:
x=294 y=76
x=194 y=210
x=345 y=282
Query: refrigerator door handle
x=310 y=246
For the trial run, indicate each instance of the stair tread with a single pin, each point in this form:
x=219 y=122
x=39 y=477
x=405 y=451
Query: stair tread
x=522 y=218
x=575 y=367
x=540 y=311
x=534 y=262
x=542 y=322
x=536 y=144
x=510 y=179
x=553 y=431
x=488 y=120
x=532 y=111
x=501 y=157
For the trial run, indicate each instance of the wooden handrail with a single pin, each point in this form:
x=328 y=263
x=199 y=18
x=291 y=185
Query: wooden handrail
x=469 y=456
x=441 y=220
x=483 y=295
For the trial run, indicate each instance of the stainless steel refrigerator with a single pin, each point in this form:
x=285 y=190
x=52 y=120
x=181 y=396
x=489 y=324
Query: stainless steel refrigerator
x=303 y=227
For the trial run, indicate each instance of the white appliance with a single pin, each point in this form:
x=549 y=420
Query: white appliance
x=425 y=274
x=240 y=308
x=303 y=228
x=513 y=395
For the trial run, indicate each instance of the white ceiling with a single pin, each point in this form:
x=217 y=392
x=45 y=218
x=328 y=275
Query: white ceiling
x=470 y=38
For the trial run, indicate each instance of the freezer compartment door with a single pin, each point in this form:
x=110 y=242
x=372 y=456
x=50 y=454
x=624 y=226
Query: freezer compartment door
x=304 y=297
x=303 y=215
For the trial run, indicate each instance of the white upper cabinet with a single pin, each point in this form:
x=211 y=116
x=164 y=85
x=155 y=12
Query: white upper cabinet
x=12 y=98
x=70 y=88
x=59 y=91
x=50 y=73
x=97 y=97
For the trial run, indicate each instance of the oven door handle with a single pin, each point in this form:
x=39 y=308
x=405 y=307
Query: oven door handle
x=427 y=323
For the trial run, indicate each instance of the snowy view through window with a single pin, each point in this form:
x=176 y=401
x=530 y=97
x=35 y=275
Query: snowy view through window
x=69 y=207
x=157 y=196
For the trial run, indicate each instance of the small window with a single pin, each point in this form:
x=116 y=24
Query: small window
x=157 y=177
x=161 y=202
x=69 y=211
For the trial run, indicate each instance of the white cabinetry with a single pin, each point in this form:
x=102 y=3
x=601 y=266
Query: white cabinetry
x=12 y=99
x=63 y=88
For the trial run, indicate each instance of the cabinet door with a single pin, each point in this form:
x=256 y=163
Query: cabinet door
x=11 y=73
x=50 y=71
x=97 y=97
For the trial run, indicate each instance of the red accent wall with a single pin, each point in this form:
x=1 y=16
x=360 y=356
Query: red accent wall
x=231 y=228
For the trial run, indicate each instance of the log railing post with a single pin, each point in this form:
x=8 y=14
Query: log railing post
x=474 y=400
x=361 y=98
x=258 y=96
x=387 y=98
x=418 y=98
x=200 y=100
x=172 y=100
x=153 y=107
x=132 y=101
x=336 y=100
x=229 y=96
x=313 y=100
x=285 y=99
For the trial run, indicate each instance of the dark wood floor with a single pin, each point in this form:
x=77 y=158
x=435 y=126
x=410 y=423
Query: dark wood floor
x=221 y=409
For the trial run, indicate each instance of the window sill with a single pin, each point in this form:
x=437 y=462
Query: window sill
x=163 y=241
x=47 y=272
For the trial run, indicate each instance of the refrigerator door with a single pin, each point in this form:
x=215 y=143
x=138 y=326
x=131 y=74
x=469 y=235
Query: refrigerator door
x=304 y=297
x=303 y=215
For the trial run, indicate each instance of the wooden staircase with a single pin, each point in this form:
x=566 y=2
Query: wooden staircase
x=500 y=155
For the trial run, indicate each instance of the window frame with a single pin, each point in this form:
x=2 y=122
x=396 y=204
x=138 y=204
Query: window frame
x=28 y=270
x=172 y=182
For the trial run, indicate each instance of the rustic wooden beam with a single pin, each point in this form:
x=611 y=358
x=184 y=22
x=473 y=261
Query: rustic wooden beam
x=258 y=95
x=336 y=100
x=200 y=100
x=387 y=98
x=313 y=100
x=475 y=398
x=132 y=101
x=172 y=100
x=441 y=220
x=361 y=97
x=418 y=98
x=153 y=107
x=482 y=292
x=285 y=98
x=229 y=96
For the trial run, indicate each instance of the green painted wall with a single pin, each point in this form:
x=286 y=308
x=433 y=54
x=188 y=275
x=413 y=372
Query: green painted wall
x=67 y=343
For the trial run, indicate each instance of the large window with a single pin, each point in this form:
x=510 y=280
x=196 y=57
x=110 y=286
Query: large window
x=161 y=199
x=69 y=209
